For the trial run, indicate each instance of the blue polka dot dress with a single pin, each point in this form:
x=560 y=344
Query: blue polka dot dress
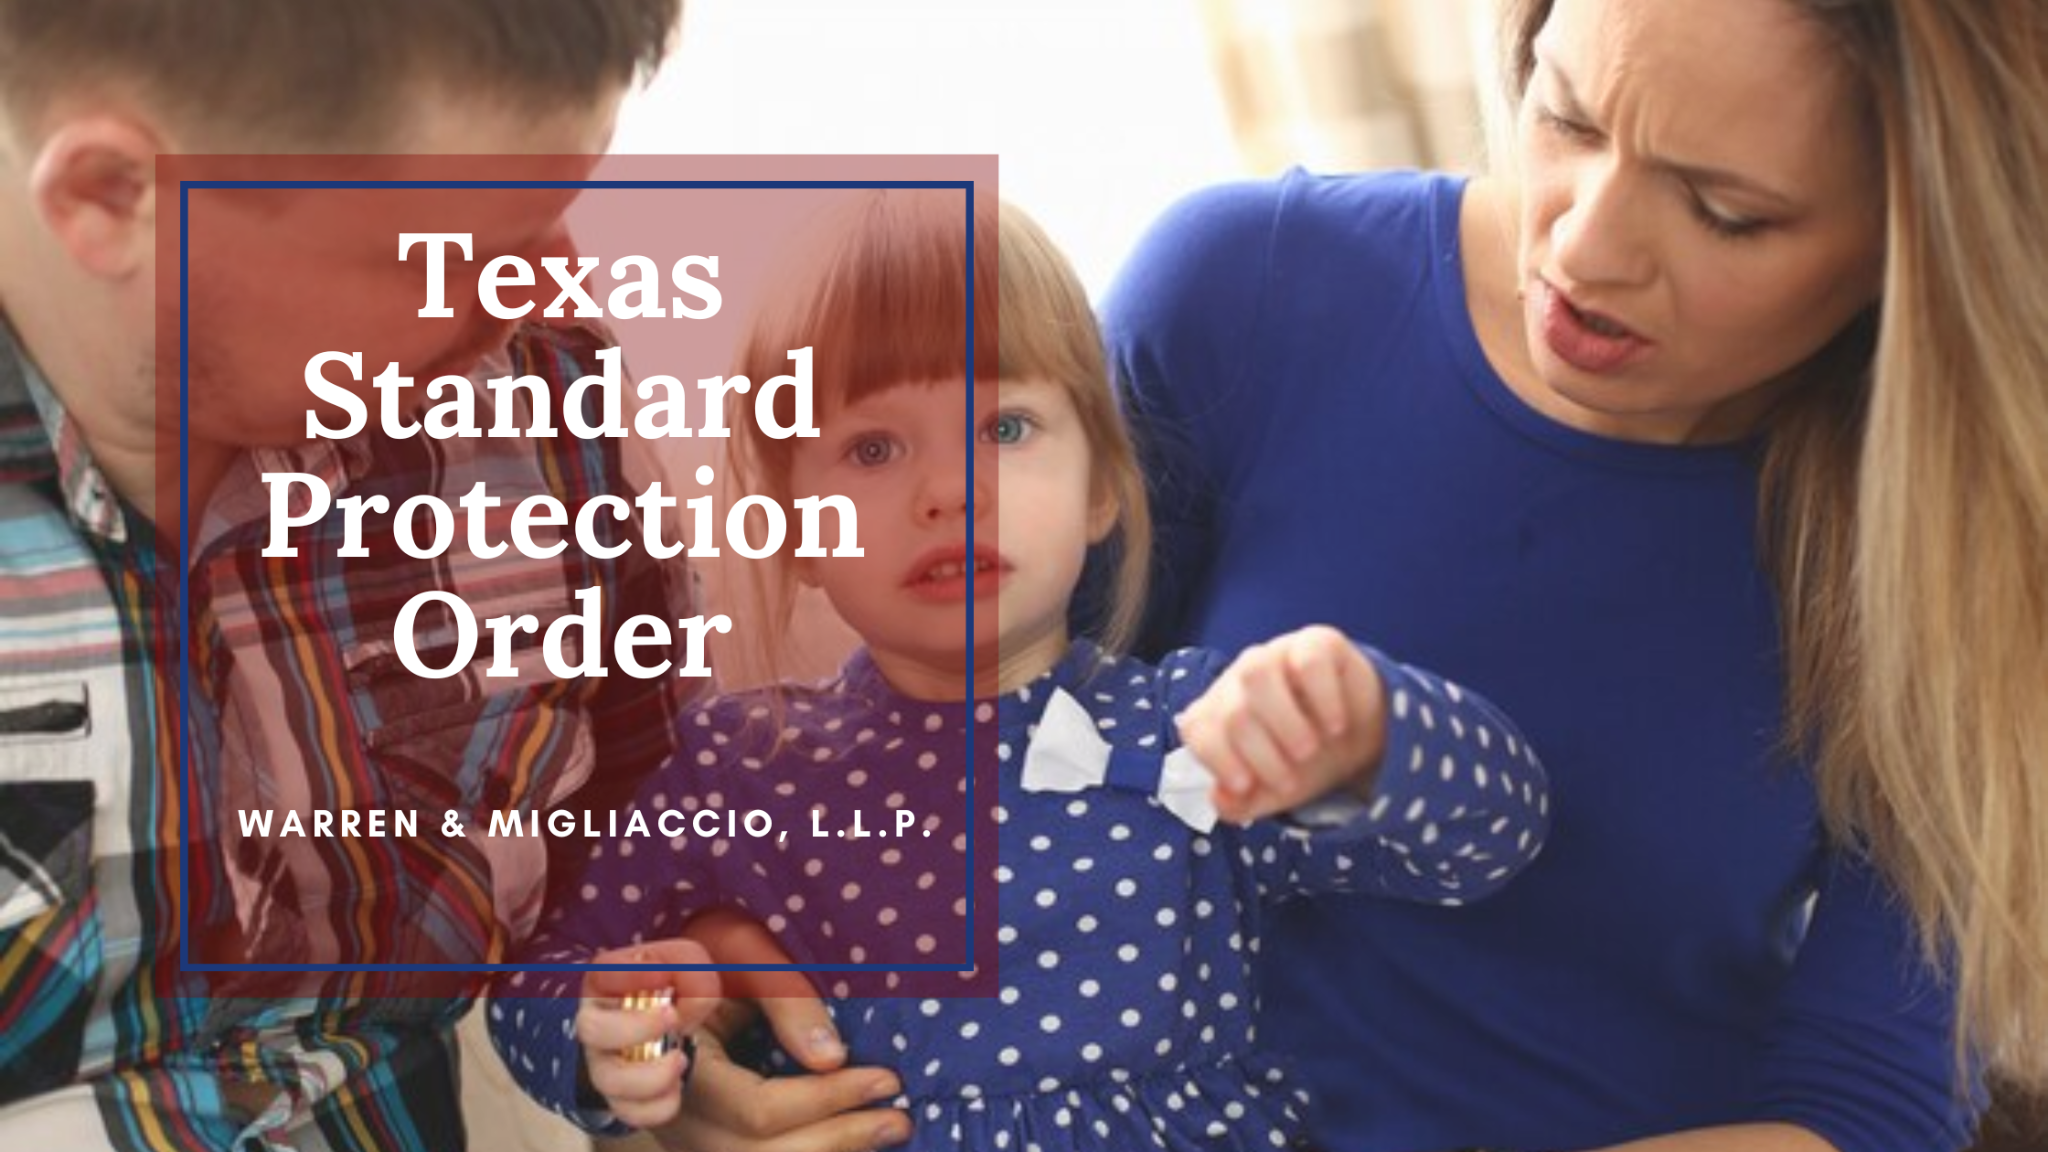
x=1120 y=1011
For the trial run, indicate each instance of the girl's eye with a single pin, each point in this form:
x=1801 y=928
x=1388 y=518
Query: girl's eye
x=872 y=450
x=1008 y=428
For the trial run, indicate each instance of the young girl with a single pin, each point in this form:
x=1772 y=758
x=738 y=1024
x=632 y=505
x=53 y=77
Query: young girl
x=1119 y=1011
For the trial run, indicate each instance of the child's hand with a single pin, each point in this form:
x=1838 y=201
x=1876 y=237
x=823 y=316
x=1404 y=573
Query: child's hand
x=642 y=1091
x=1288 y=721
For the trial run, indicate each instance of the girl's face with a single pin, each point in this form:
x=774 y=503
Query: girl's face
x=901 y=456
x=1702 y=210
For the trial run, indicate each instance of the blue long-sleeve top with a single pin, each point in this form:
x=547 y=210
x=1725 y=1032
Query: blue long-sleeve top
x=1328 y=443
x=1120 y=1011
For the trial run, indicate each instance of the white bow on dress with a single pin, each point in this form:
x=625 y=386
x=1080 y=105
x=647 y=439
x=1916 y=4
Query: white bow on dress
x=1068 y=754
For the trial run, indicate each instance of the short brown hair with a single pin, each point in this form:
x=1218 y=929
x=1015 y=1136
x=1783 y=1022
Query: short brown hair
x=323 y=72
x=884 y=301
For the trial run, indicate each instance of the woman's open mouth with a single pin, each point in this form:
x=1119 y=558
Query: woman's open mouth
x=1586 y=340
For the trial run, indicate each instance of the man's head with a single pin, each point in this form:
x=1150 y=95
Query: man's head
x=92 y=91
x=259 y=76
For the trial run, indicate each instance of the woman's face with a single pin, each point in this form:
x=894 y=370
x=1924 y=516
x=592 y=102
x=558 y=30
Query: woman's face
x=1702 y=210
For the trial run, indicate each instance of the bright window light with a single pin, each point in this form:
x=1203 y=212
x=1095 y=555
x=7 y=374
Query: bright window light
x=1103 y=111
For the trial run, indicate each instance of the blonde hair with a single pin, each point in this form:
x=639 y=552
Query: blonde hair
x=1906 y=502
x=883 y=301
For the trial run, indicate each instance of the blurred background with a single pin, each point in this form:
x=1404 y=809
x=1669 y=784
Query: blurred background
x=1103 y=112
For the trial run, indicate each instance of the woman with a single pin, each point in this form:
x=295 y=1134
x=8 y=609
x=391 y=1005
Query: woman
x=1711 y=440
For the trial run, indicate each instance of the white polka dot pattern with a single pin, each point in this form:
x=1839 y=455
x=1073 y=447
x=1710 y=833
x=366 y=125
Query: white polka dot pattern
x=1124 y=1007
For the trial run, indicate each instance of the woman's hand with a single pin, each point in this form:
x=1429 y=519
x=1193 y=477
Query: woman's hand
x=729 y=1108
x=1288 y=721
x=642 y=1090
x=1733 y=1138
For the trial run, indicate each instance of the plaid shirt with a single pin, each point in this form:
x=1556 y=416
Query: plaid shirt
x=298 y=703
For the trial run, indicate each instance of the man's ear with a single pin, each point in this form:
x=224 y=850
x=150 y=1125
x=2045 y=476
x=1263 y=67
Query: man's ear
x=93 y=184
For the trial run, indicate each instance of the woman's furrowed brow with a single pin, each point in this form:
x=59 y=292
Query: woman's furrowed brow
x=1699 y=175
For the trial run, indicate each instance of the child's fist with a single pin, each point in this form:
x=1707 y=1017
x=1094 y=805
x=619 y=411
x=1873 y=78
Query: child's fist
x=1288 y=721
x=626 y=1016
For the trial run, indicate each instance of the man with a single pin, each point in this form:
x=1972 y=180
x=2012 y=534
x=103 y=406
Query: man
x=105 y=1040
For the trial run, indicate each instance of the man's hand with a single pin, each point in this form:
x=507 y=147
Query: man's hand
x=1287 y=722
x=731 y=1109
x=642 y=1092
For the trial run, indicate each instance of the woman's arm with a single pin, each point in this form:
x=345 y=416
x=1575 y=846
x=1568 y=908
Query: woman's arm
x=1734 y=1138
x=1178 y=326
x=1861 y=1050
x=1859 y=1059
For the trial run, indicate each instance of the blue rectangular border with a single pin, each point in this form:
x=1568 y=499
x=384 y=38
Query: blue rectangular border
x=185 y=962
